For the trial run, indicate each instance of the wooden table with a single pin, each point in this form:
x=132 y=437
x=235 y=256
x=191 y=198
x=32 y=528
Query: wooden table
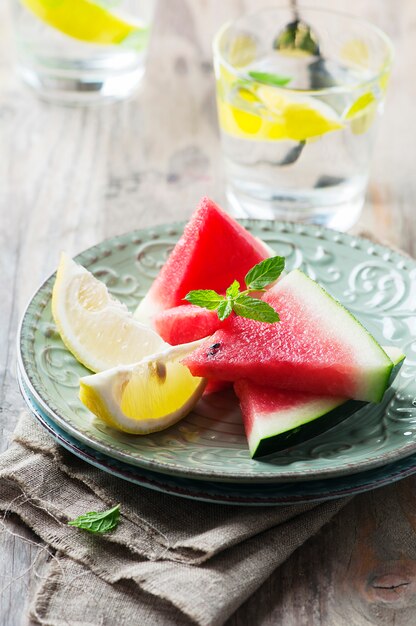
x=71 y=177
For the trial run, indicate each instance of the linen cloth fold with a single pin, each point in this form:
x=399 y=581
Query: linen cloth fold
x=170 y=560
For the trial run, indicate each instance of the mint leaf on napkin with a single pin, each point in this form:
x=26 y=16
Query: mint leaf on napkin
x=98 y=523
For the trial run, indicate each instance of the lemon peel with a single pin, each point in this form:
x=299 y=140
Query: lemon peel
x=362 y=113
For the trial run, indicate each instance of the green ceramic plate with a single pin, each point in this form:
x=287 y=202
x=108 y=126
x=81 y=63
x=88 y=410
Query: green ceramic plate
x=377 y=284
x=251 y=494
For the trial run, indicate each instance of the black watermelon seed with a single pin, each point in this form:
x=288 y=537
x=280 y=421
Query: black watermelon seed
x=212 y=350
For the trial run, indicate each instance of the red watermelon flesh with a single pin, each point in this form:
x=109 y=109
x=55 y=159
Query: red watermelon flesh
x=213 y=251
x=186 y=323
x=214 y=386
x=317 y=347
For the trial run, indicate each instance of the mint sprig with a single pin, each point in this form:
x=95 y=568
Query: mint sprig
x=242 y=302
x=98 y=523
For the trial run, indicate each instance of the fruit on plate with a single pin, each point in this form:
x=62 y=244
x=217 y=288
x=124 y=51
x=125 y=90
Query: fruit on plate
x=317 y=346
x=144 y=397
x=145 y=385
x=185 y=323
x=213 y=251
x=98 y=329
x=275 y=420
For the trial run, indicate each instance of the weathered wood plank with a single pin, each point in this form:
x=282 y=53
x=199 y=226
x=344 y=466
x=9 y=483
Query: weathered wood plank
x=360 y=569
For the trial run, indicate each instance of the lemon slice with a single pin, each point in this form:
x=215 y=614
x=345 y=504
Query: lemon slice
x=362 y=113
x=147 y=396
x=304 y=117
x=356 y=51
x=98 y=329
x=84 y=20
x=270 y=115
x=242 y=50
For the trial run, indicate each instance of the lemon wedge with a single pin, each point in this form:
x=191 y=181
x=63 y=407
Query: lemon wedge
x=145 y=397
x=98 y=329
x=85 y=20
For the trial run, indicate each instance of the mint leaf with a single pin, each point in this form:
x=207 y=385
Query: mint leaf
x=265 y=273
x=205 y=298
x=233 y=290
x=225 y=309
x=255 y=309
x=98 y=523
x=270 y=79
x=261 y=275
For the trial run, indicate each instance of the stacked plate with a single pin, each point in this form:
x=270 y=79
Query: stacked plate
x=205 y=456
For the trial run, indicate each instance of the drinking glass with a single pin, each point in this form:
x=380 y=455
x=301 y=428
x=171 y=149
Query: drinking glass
x=82 y=51
x=297 y=129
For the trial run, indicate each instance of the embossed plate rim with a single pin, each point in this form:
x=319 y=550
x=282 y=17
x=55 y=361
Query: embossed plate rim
x=224 y=493
x=89 y=256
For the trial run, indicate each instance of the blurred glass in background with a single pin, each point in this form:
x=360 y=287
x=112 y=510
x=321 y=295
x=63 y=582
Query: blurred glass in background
x=82 y=51
x=298 y=104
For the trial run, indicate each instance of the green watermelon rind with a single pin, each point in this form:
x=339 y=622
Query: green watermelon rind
x=314 y=419
x=379 y=383
x=318 y=422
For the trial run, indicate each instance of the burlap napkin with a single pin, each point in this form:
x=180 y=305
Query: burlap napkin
x=170 y=561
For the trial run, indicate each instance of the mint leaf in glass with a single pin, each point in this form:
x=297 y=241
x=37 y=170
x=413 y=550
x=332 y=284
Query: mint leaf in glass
x=269 y=79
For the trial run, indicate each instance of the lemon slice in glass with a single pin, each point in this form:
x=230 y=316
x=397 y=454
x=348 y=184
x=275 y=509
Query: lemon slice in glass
x=87 y=21
x=145 y=397
x=362 y=113
x=95 y=327
x=356 y=51
x=242 y=50
x=272 y=115
x=304 y=117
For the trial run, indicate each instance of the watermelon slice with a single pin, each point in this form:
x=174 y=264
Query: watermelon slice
x=318 y=347
x=213 y=251
x=185 y=323
x=275 y=420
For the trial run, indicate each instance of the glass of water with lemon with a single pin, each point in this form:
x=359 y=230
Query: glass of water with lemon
x=298 y=106
x=82 y=51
